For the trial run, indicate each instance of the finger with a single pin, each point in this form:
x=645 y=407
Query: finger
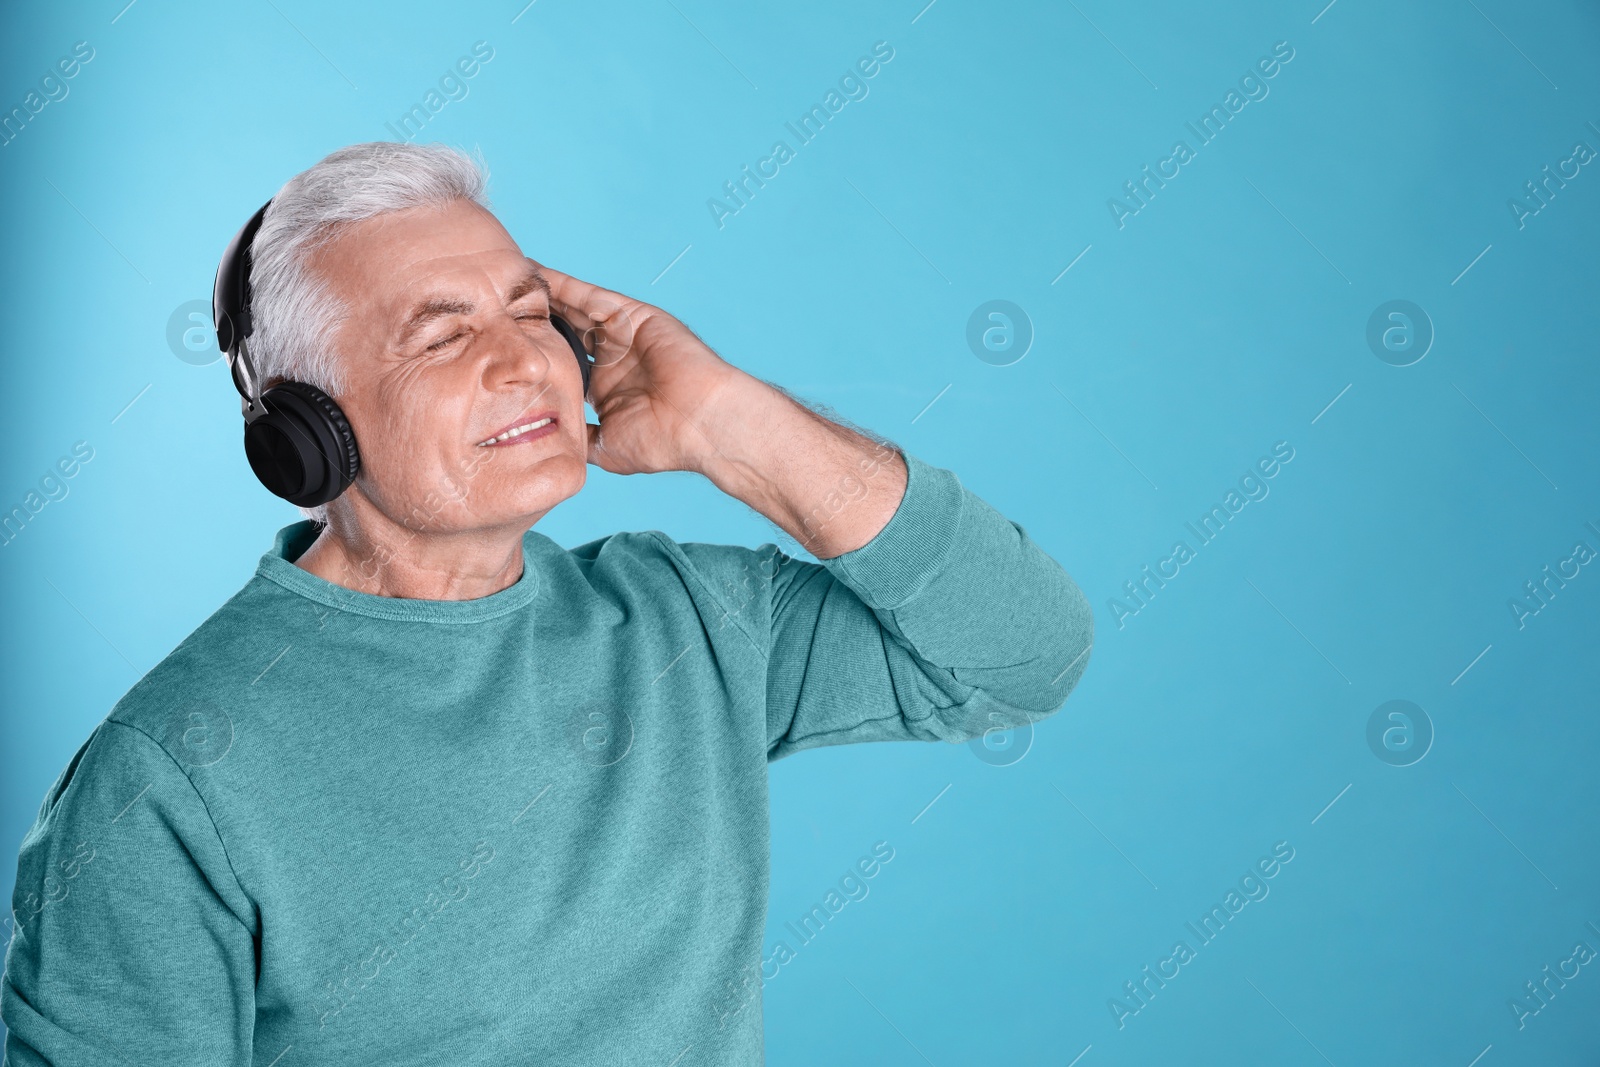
x=606 y=320
x=579 y=302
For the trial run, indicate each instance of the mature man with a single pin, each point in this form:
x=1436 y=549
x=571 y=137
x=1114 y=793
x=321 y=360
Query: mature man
x=431 y=788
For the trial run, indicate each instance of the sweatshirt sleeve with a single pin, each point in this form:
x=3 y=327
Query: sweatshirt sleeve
x=951 y=621
x=132 y=942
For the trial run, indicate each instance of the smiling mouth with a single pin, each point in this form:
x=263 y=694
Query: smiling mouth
x=518 y=431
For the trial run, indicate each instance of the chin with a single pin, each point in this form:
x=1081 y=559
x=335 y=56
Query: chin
x=557 y=479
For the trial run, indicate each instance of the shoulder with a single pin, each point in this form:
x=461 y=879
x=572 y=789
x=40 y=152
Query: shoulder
x=114 y=766
x=719 y=565
x=225 y=654
x=619 y=546
x=659 y=552
x=713 y=576
x=124 y=804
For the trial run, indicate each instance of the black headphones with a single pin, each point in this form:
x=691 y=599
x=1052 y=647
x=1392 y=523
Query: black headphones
x=298 y=442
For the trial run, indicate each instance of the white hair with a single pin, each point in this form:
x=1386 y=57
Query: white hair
x=294 y=314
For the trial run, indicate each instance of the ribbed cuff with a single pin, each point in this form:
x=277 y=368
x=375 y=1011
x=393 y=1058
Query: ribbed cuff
x=904 y=556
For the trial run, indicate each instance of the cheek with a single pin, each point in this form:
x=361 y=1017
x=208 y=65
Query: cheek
x=411 y=433
x=564 y=367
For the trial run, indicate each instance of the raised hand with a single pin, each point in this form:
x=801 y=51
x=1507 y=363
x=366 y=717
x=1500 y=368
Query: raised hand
x=653 y=384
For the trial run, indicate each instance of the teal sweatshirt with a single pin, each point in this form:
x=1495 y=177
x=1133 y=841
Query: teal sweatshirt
x=345 y=829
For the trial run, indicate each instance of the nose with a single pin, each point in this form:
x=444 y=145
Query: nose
x=518 y=355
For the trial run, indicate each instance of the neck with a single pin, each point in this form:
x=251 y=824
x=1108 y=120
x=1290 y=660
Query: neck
x=401 y=562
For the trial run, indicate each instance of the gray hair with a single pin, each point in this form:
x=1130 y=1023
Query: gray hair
x=295 y=315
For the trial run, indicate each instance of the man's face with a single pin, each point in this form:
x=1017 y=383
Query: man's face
x=449 y=343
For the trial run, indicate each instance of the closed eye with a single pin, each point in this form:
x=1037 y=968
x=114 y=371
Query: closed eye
x=443 y=342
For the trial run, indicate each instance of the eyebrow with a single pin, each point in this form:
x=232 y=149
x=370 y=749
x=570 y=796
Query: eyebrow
x=533 y=280
x=437 y=307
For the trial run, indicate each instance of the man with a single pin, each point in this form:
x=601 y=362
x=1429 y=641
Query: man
x=433 y=789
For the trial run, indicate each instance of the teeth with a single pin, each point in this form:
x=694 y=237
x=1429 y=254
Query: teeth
x=516 y=431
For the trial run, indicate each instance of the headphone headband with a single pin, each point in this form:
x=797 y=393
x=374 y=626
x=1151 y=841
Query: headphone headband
x=230 y=306
x=230 y=296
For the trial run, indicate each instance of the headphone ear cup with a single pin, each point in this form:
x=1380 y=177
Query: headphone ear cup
x=302 y=448
x=564 y=328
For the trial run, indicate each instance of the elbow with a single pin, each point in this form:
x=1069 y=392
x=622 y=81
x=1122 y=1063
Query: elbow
x=1064 y=658
x=1075 y=642
x=1035 y=690
x=1065 y=638
x=1028 y=662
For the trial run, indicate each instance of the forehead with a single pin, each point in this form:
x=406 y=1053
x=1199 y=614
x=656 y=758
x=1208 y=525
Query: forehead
x=389 y=260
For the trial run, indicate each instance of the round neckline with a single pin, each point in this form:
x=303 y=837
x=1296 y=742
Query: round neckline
x=277 y=565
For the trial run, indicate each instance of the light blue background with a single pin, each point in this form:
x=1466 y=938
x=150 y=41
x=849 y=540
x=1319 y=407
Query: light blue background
x=1224 y=317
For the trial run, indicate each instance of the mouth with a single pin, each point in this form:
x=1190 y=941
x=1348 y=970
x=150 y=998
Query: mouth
x=526 y=428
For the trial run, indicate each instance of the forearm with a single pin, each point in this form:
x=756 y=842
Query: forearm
x=830 y=488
